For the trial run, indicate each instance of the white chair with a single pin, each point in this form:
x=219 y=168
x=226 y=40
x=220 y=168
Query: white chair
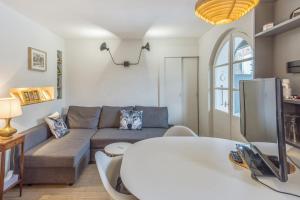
x=109 y=171
x=180 y=131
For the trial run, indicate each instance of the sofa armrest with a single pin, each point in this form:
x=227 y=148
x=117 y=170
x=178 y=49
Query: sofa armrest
x=36 y=135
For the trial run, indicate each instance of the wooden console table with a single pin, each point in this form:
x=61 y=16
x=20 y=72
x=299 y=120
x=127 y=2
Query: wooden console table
x=16 y=140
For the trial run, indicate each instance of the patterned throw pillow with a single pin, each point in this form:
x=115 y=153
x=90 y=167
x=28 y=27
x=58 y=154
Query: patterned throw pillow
x=57 y=125
x=131 y=120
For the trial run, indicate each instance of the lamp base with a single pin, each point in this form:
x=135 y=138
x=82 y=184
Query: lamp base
x=7 y=132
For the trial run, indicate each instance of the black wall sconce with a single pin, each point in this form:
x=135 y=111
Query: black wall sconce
x=125 y=63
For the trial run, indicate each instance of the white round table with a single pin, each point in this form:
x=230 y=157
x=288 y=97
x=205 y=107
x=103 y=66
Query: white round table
x=177 y=168
x=116 y=149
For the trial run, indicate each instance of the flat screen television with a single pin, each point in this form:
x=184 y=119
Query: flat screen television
x=262 y=121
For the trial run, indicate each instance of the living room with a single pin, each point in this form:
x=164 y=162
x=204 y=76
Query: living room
x=95 y=97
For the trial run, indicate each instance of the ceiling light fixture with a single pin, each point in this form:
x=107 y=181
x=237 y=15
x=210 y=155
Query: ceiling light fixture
x=125 y=63
x=223 y=11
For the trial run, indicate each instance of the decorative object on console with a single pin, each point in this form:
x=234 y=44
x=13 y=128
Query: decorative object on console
x=131 y=120
x=29 y=96
x=9 y=108
x=57 y=125
x=37 y=60
x=295 y=13
x=223 y=12
x=268 y=26
x=125 y=63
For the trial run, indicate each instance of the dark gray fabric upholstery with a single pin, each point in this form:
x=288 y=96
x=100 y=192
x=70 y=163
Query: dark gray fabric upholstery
x=93 y=152
x=111 y=135
x=64 y=152
x=36 y=135
x=55 y=175
x=61 y=161
x=83 y=117
x=154 y=117
x=110 y=116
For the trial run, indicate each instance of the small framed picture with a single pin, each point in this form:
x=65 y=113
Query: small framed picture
x=25 y=95
x=36 y=95
x=37 y=60
x=31 y=96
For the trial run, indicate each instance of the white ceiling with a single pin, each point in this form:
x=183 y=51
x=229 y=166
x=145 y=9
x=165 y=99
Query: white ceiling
x=114 y=18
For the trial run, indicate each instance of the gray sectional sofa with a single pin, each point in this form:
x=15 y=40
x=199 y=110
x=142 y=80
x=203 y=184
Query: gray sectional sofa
x=61 y=161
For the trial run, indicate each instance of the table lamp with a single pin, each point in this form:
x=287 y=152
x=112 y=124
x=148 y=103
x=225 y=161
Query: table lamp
x=9 y=108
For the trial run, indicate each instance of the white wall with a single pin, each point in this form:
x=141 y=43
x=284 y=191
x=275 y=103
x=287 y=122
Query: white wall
x=207 y=47
x=16 y=35
x=95 y=80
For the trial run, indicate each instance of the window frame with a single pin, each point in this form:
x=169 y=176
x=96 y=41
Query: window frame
x=230 y=37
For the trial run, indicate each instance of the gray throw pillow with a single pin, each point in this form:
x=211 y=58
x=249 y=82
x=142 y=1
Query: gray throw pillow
x=79 y=117
x=57 y=125
x=154 y=117
x=131 y=120
x=110 y=116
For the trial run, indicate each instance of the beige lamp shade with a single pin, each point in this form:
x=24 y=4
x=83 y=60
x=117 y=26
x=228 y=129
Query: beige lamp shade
x=223 y=11
x=10 y=108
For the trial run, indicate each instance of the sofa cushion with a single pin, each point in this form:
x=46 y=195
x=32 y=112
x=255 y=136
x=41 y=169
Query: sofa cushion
x=57 y=125
x=64 y=152
x=154 y=117
x=110 y=116
x=107 y=136
x=83 y=117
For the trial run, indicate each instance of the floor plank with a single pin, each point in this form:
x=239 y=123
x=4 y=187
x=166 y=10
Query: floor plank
x=88 y=187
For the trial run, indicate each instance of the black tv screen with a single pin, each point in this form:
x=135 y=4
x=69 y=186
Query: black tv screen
x=262 y=120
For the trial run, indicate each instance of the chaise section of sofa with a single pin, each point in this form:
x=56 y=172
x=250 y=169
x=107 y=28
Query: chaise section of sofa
x=56 y=161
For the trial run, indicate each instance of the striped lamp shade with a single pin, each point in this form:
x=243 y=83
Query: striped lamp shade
x=223 y=11
x=10 y=108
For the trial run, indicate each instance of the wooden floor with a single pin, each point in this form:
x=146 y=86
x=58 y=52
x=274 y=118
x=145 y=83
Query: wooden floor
x=88 y=187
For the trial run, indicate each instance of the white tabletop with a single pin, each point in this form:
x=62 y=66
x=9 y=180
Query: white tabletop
x=177 y=168
x=116 y=149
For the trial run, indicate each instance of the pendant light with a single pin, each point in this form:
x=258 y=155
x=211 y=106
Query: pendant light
x=223 y=11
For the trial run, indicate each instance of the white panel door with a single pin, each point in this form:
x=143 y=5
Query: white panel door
x=179 y=91
x=172 y=95
x=233 y=62
x=190 y=93
x=221 y=92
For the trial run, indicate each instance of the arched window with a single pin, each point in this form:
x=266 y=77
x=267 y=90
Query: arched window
x=233 y=62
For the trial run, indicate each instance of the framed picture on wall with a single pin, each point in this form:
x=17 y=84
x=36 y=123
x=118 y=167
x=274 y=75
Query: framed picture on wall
x=31 y=96
x=37 y=60
x=36 y=95
x=26 y=97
